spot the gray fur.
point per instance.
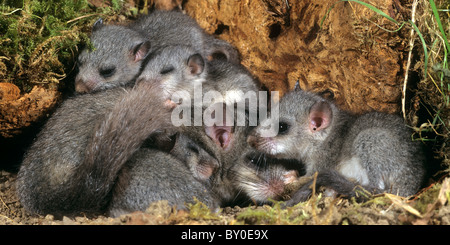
(177, 67)
(153, 175)
(124, 48)
(177, 176)
(223, 76)
(228, 142)
(221, 182)
(201, 164)
(264, 179)
(335, 183)
(373, 149)
(231, 85)
(116, 59)
(73, 163)
(171, 28)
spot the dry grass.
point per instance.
(433, 21)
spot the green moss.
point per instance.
(427, 198)
(200, 211)
(276, 214)
(39, 40)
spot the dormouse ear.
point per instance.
(221, 131)
(218, 55)
(98, 24)
(218, 49)
(141, 50)
(201, 163)
(196, 64)
(327, 94)
(320, 116)
(221, 135)
(206, 167)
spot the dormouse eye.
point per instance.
(253, 159)
(167, 70)
(193, 148)
(107, 72)
(283, 128)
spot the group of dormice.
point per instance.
(113, 147)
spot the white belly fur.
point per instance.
(353, 170)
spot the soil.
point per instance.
(382, 210)
(281, 42)
(348, 56)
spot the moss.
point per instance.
(40, 39)
(200, 211)
(276, 214)
(427, 198)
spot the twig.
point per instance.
(408, 64)
(6, 217)
(1, 199)
(330, 211)
(313, 199)
(81, 17)
(15, 10)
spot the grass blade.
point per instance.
(376, 10)
(424, 45)
(438, 21)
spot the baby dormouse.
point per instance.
(373, 149)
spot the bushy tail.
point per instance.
(132, 120)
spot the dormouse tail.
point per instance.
(137, 115)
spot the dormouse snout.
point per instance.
(84, 86)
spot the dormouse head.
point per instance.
(221, 127)
(230, 78)
(218, 135)
(264, 179)
(115, 58)
(304, 122)
(202, 164)
(234, 86)
(178, 68)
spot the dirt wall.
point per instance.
(282, 42)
